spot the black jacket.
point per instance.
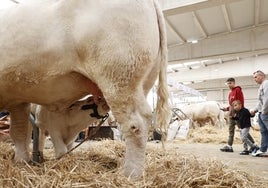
(243, 116)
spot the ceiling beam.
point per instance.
(226, 33)
(226, 18)
(199, 25)
(172, 28)
(257, 12)
(196, 6)
(243, 44)
(227, 69)
(203, 64)
(221, 56)
(14, 1)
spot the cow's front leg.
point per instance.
(134, 122)
(135, 151)
(58, 143)
(20, 131)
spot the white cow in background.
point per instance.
(55, 52)
(209, 111)
(64, 126)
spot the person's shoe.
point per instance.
(265, 154)
(254, 149)
(257, 153)
(227, 149)
(245, 152)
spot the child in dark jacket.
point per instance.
(243, 116)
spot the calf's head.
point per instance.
(95, 111)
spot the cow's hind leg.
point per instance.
(134, 115)
(42, 140)
(20, 131)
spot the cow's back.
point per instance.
(63, 39)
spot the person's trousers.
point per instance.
(232, 131)
(245, 138)
(232, 124)
(263, 123)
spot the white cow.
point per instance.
(64, 126)
(54, 52)
(203, 112)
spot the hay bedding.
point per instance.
(215, 135)
(97, 164)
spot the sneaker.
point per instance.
(257, 153)
(227, 149)
(265, 154)
(254, 149)
(245, 152)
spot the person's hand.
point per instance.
(223, 109)
(252, 112)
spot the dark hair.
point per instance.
(259, 73)
(236, 101)
(230, 80)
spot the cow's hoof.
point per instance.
(135, 173)
(24, 159)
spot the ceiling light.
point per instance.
(194, 41)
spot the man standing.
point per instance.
(262, 108)
(235, 94)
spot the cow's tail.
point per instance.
(163, 110)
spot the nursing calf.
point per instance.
(64, 126)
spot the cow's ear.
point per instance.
(90, 100)
(88, 106)
(72, 106)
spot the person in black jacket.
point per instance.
(243, 116)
